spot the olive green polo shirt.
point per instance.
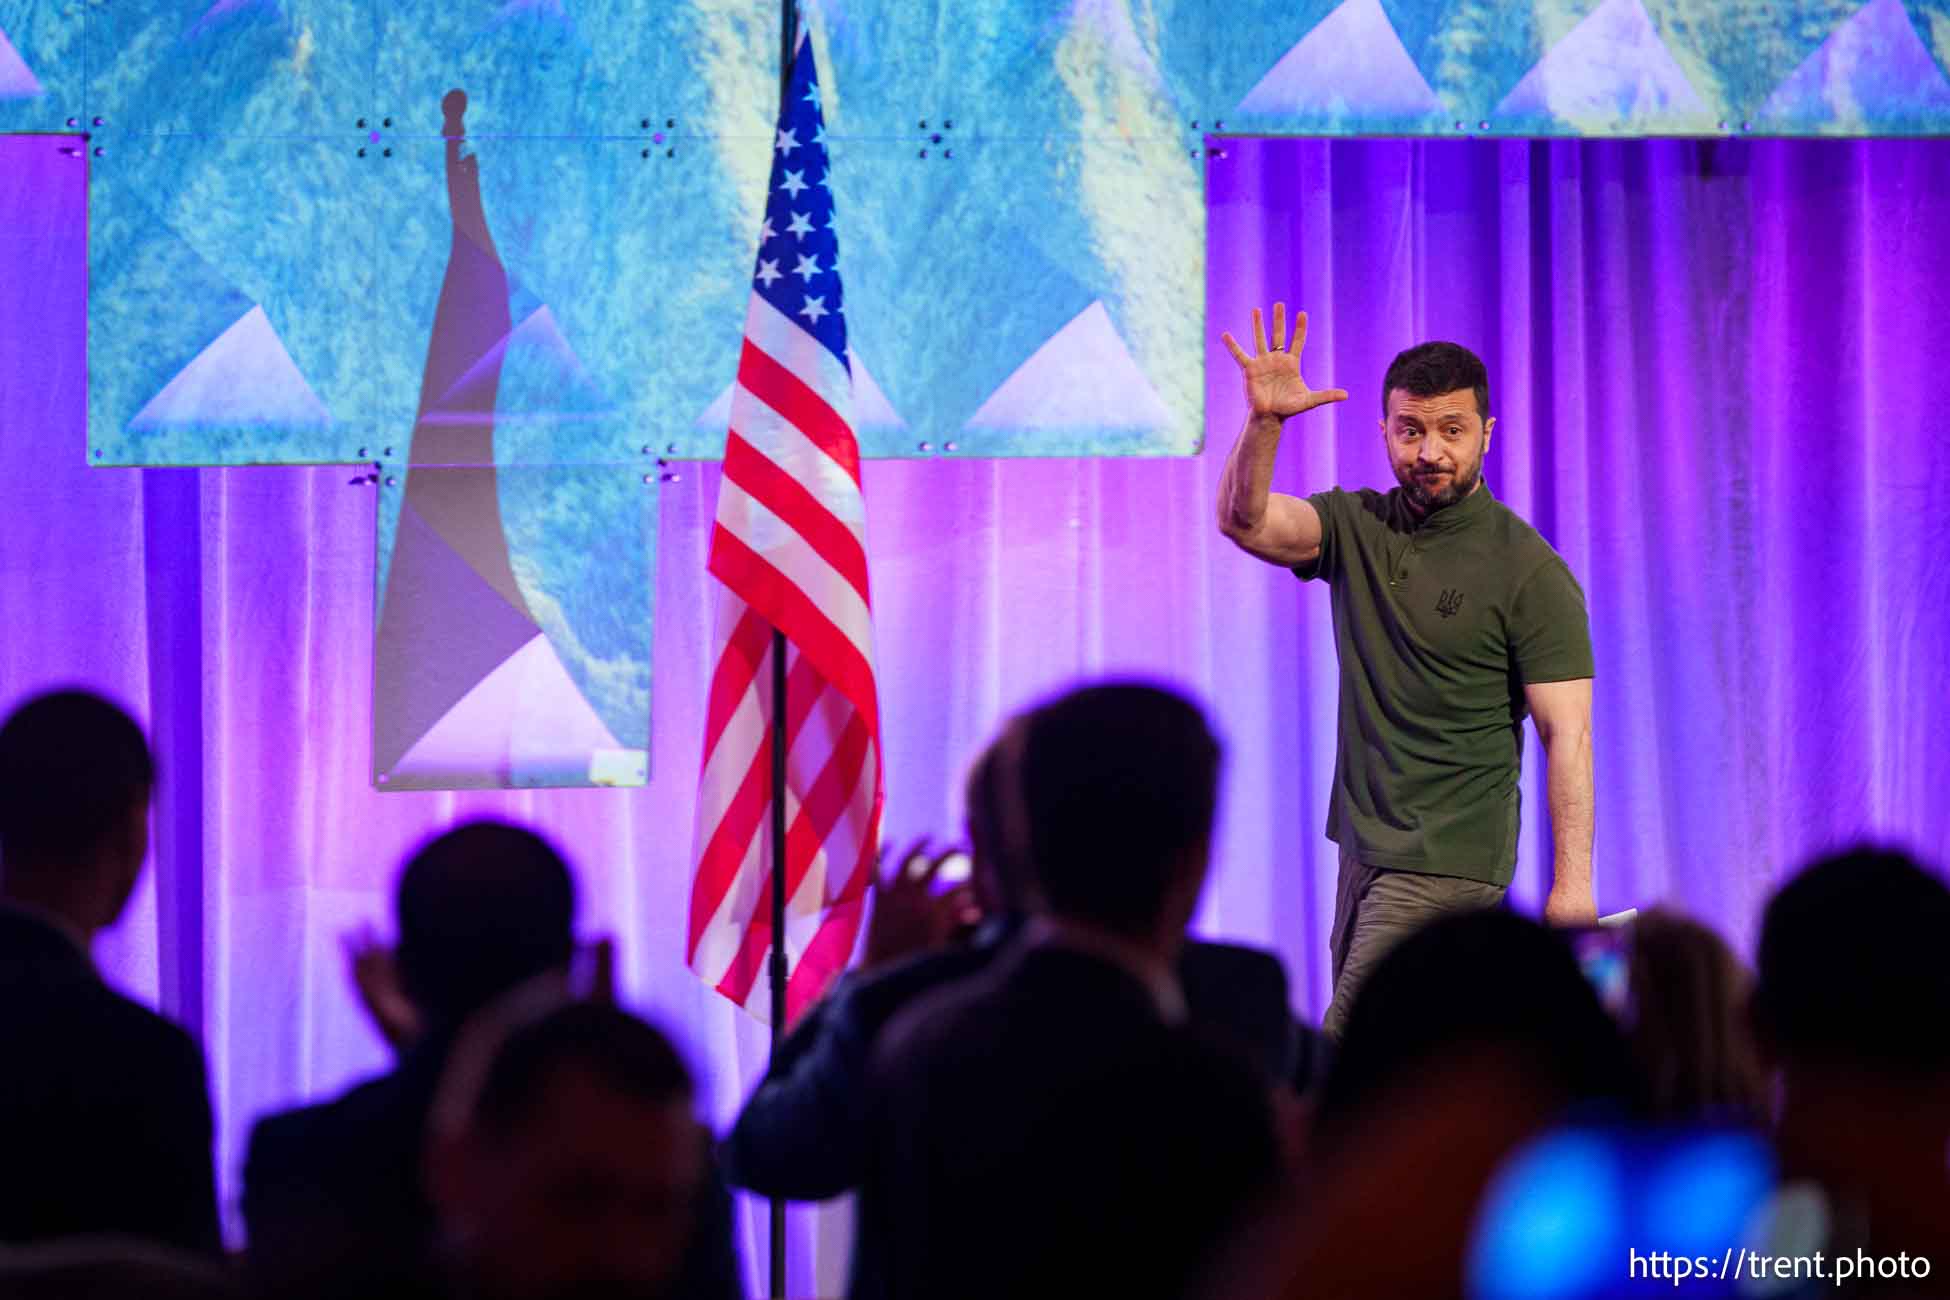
(1439, 625)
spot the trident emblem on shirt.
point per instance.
(1449, 602)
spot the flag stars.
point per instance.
(800, 225)
(787, 142)
(808, 267)
(793, 183)
(765, 232)
(812, 94)
(768, 271)
(814, 308)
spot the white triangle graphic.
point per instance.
(871, 409)
(538, 351)
(244, 377)
(525, 723)
(1611, 74)
(1082, 378)
(1871, 71)
(717, 417)
(17, 80)
(1353, 65)
(555, 383)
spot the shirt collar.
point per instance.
(1460, 515)
(1160, 981)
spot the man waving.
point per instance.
(1453, 619)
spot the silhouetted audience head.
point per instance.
(1472, 1036)
(1852, 968)
(1119, 783)
(995, 819)
(1852, 1003)
(566, 1159)
(75, 780)
(1469, 985)
(1689, 1031)
(482, 908)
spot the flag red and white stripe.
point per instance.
(788, 548)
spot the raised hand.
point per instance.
(376, 980)
(1272, 375)
(909, 917)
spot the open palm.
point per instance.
(1272, 375)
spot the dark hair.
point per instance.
(1119, 781)
(482, 908)
(994, 782)
(1467, 982)
(1852, 965)
(1432, 369)
(628, 1054)
(72, 767)
(1689, 1029)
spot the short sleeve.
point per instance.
(1550, 632)
(1324, 566)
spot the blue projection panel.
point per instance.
(625, 283)
(1022, 230)
(1019, 190)
(513, 644)
(43, 72)
(246, 67)
(582, 67)
(1022, 297)
(1029, 286)
(1309, 67)
(234, 290)
(283, 164)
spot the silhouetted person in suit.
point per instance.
(1472, 985)
(566, 1160)
(1054, 1125)
(801, 1134)
(1472, 1035)
(333, 1195)
(1852, 1004)
(104, 1105)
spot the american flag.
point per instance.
(788, 545)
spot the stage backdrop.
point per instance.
(289, 264)
(1717, 367)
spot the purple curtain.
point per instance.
(1715, 370)
(1712, 363)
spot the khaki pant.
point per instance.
(1375, 908)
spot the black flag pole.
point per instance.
(780, 969)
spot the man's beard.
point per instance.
(1457, 486)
